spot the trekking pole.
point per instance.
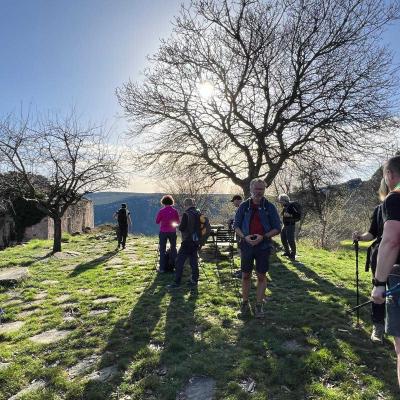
(357, 286)
(394, 290)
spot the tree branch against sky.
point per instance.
(287, 77)
(57, 161)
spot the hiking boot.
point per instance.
(259, 311)
(285, 254)
(245, 307)
(378, 331)
(192, 283)
(174, 285)
(292, 257)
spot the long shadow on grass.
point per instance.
(308, 334)
(129, 340)
(80, 268)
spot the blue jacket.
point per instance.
(268, 215)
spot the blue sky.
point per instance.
(56, 54)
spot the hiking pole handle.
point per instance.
(394, 290)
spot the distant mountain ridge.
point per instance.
(143, 207)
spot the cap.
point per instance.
(236, 197)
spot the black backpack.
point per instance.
(169, 262)
(296, 210)
(122, 216)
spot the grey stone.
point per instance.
(40, 296)
(11, 326)
(32, 304)
(66, 254)
(248, 385)
(104, 374)
(49, 282)
(12, 302)
(35, 385)
(293, 346)
(4, 365)
(97, 312)
(83, 366)
(13, 275)
(50, 336)
(198, 388)
(63, 297)
(106, 300)
(26, 313)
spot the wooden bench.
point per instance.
(223, 237)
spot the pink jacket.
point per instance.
(166, 217)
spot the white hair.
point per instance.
(283, 198)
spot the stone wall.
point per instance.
(76, 219)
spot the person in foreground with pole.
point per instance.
(375, 233)
(388, 254)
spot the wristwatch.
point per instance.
(375, 282)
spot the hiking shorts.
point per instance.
(249, 254)
(392, 322)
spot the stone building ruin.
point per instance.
(76, 219)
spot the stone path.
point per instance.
(104, 374)
(11, 326)
(13, 275)
(50, 336)
(33, 386)
(106, 300)
(198, 388)
(83, 366)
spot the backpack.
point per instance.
(296, 208)
(202, 229)
(122, 216)
(169, 261)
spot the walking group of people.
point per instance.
(257, 221)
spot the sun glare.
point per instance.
(206, 89)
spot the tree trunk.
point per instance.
(57, 235)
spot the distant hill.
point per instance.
(143, 207)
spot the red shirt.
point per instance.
(255, 221)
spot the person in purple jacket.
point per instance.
(168, 219)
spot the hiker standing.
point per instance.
(168, 219)
(236, 201)
(189, 247)
(256, 222)
(123, 216)
(375, 232)
(389, 254)
(291, 213)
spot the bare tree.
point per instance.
(243, 86)
(56, 162)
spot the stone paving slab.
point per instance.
(11, 326)
(4, 365)
(49, 282)
(50, 336)
(106, 300)
(198, 388)
(13, 275)
(103, 375)
(98, 312)
(83, 366)
(12, 302)
(36, 385)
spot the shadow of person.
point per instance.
(130, 336)
(80, 268)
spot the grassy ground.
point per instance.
(305, 348)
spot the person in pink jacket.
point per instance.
(168, 219)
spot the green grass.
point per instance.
(187, 333)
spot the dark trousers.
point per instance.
(122, 233)
(189, 250)
(288, 239)
(163, 238)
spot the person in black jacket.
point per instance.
(375, 233)
(189, 248)
(290, 214)
(123, 217)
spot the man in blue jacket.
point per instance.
(256, 222)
